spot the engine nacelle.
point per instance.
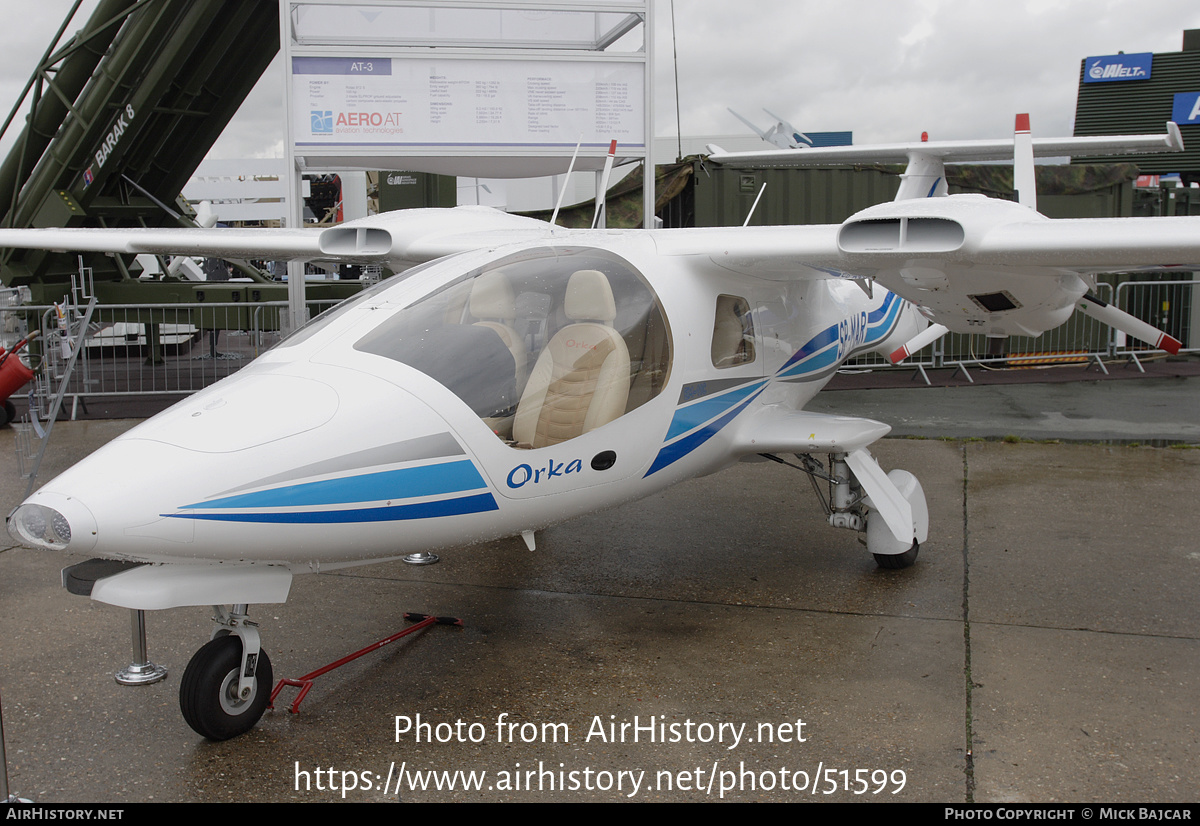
(931, 247)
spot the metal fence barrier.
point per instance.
(176, 349)
(141, 349)
(1168, 305)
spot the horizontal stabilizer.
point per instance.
(970, 151)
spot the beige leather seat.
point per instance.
(581, 379)
(493, 304)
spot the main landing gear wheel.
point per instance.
(897, 561)
(208, 692)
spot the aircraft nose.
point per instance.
(54, 521)
(244, 471)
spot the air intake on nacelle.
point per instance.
(901, 235)
(364, 241)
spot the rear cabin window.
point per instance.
(733, 332)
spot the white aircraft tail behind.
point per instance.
(782, 134)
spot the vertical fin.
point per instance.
(925, 177)
(794, 137)
(1024, 181)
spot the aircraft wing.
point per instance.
(974, 264)
(397, 238)
(1042, 247)
(1028, 253)
(1094, 244)
(778, 253)
(281, 244)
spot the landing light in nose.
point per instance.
(54, 521)
(40, 526)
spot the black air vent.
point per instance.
(996, 302)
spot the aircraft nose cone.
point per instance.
(245, 471)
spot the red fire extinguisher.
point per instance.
(13, 376)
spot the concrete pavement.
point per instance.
(1044, 648)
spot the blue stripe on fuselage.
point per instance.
(696, 414)
(677, 450)
(822, 339)
(403, 483)
(479, 503)
(882, 321)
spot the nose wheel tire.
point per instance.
(897, 561)
(208, 692)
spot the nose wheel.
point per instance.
(895, 562)
(215, 701)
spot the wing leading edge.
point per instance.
(398, 238)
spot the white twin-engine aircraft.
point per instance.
(518, 374)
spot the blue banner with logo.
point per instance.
(1114, 67)
(1185, 110)
(830, 138)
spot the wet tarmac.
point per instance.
(1045, 647)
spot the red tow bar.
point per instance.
(305, 683)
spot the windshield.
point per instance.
(543, 346)
(321, 321)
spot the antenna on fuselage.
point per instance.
(563, 191)
(754, 206)
(601, 195)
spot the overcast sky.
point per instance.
(887, 70)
